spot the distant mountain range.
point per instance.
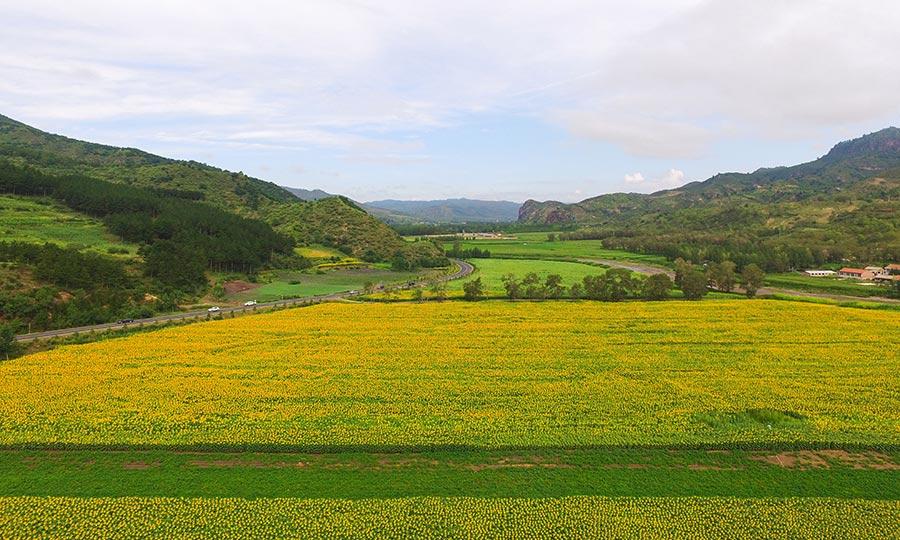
(437, 211)
(845, 204)
(444, 211)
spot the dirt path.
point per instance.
(641, 268)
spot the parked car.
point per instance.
(214, 309)
(249, 303)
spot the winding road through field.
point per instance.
(463, 270)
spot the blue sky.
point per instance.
(496, 100)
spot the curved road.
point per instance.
(464, 269)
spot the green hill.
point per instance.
(842, 206)
(334, 221)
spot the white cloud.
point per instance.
(659, 79)
(767, 69)
(670, 179)
(635, 178)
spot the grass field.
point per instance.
(318, 252)
(800, 282)
(290, 284)
(491, 272)
(723, 418)
(536, 246)
(37, 220)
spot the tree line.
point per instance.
(617, 284)
(181, 237)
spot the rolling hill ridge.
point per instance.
(844, 205)
(335, 221)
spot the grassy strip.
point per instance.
(839, 303)
(571, 517)
(832, 285)
(482, 473)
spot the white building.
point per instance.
(819, 273)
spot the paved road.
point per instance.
(464, 270)
(649, 269)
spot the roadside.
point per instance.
(461, 269)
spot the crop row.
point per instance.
(425, 518)
(484, 374)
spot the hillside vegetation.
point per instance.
(41, 219)
(351, 228)
(845, 205)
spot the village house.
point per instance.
(893, 269)
(819, 273)
(856, 273)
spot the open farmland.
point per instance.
(38, 220)
(427, 518)
(293, 283)
(834, 285)
(489, 374)
(536, 246)
(731, 418)
(491, 272)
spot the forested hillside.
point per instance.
(843, 206)
(167, 227)
(352, 229)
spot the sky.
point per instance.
(420, 99)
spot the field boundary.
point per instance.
(400, 449)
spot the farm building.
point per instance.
(819, 273)
(856, 273)
(892, 268)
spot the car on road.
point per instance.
(124, 321)
(249, 303)
(214, 309)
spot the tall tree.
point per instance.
(693, 285)
(657, 287)
(553, 286)
(473, 290)
(512, 286)
(752, 277)
(8, 344)
(682, 267)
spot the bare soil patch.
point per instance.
(824, 459)
(140, 465)
(238, 286)
(235, 463)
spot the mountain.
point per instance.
(308, 194)
(845, 204)
(445, 210)
(337, 221)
